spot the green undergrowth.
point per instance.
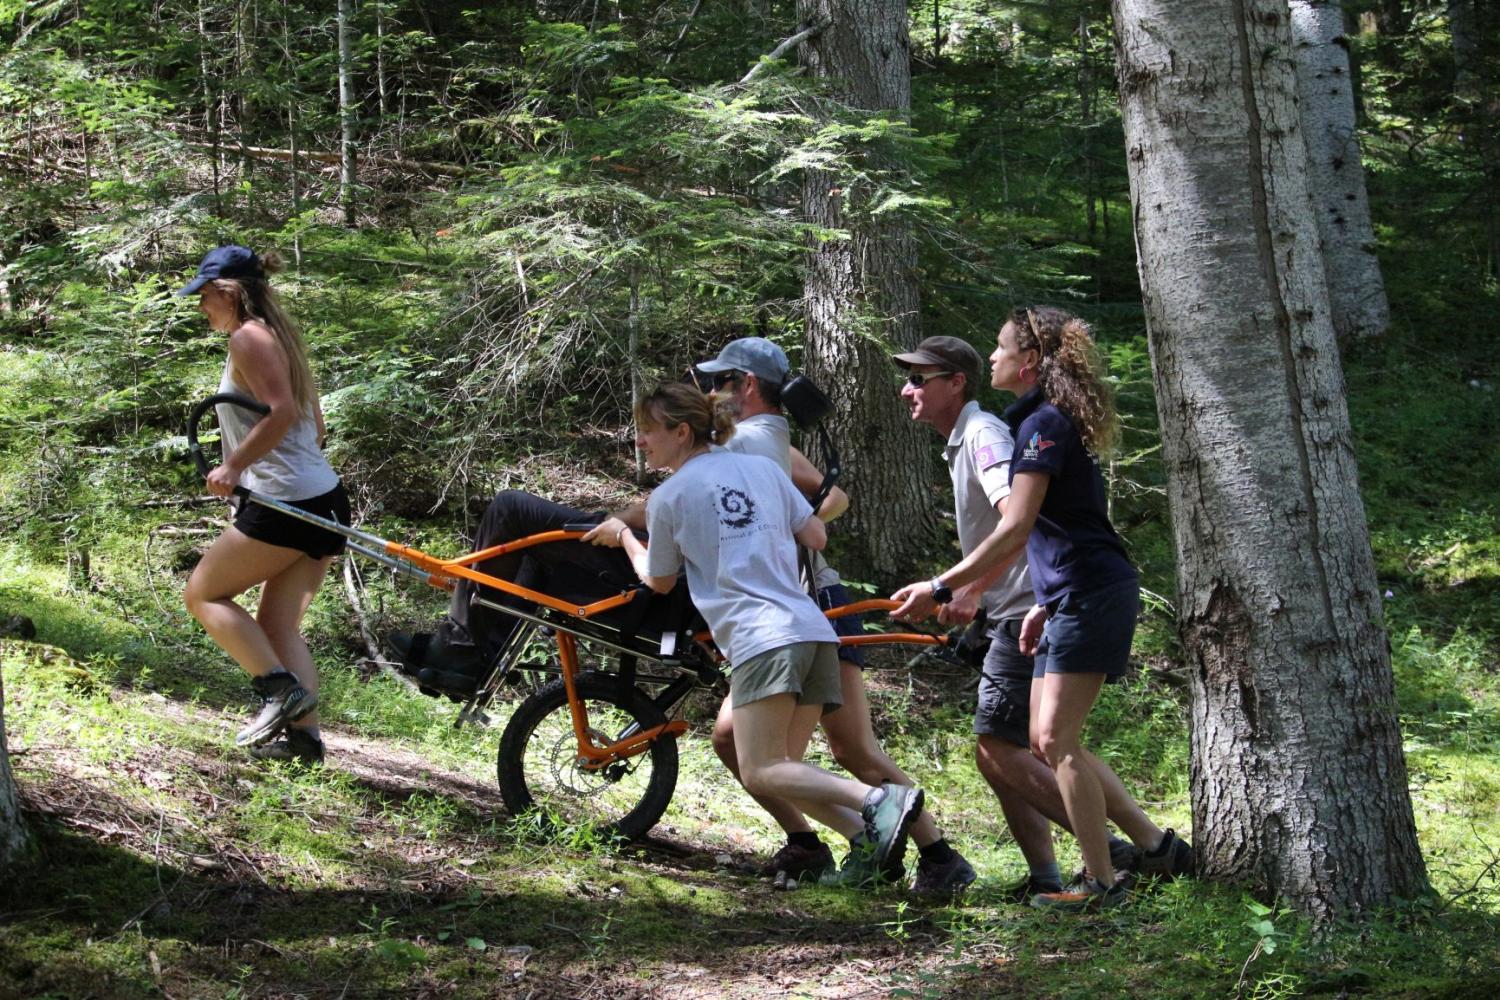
(168, 864)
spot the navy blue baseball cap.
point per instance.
(232, 261)
(755, 355)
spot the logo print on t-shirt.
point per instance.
(736, 509)
(1036, 446)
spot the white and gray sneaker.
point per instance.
(282, 700)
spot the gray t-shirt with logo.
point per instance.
(730, 519)
(978, 453)
(770, 436)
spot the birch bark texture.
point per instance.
(347, 149)
(1335, 172)
(14, 840)
(860, 302)
(1298, 781)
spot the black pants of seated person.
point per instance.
(573, 571)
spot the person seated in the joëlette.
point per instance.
(451, 659)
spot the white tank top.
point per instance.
(293, 470)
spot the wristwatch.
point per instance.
(941, 592)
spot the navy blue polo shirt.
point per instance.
(1072, 545)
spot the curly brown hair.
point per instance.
(1071, 372)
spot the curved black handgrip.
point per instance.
(195, 450)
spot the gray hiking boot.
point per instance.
(860, 870)
(875, 854)
(283, 700)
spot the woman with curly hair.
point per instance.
(1087, 592)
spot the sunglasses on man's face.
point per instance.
(723, 379)
(918, 379)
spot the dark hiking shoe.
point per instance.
(1082, 898)
(282, 700)
(450, 683)
(946, 878)
(1173, 858)
(419, 650)
(295, 747)
(1124, 858)
(1022, 891)
(793, 863)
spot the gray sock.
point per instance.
(1047, 874)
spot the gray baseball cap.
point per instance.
(755, 355)
(949, 353)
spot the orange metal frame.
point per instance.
(591, 757)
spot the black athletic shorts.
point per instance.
(265, 524)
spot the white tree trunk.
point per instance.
(1336, 176)
(347, 150)
(1298, 781)
(860, 299)
(14, 841)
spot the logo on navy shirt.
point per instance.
(1036, 446)
(736, 509)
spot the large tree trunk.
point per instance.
(860, 297)
(14, 842)
(1298, 781)
(1336, 178)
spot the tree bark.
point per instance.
(860, 302)
(1336, 178)
(1298, 780)
(14, 840)
(347, 150)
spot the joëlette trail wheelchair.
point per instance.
(591, 745)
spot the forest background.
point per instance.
(499, 221)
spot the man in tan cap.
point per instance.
(943, 376)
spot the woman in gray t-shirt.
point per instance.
(732, 522)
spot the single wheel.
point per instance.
(538, 760)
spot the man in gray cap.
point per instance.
(749, 373)
(943, 375)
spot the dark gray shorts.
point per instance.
(1090, 631)
(1004, 708)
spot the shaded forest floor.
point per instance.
(171, 865)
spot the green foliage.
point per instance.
(602, 209)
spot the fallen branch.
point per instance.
(811, 31)
(393, 162)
